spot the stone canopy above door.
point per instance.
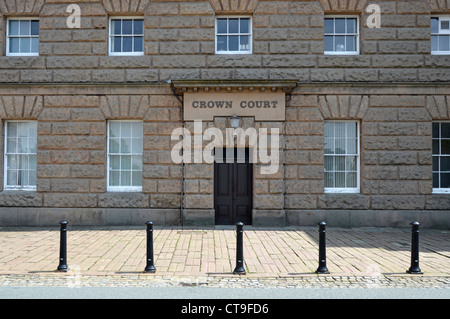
(263, 100)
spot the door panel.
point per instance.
(233, 192)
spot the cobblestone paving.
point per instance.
(286, 257)
(320, 281)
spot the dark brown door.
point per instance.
(233, 184)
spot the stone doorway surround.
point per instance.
(198, 179)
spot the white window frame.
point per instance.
(110, 36)
(250, 35)
(19, 36)
(5, 160)
(350, 190)
(446, 18)
(120, 188)
(440, 190)
(357, 52)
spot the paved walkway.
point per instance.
(207, 256)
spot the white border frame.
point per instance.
(250, 34)
(358, 29)
(353, 190)
(8, 36)
(438, 190)
(122, 189)
(445, 17)
(7, 187)
(110, 53)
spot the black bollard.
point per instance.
(63, 247)
(150, 266)
(322, 269)
(240, 270)
(414, 269)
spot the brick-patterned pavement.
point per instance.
(281, 252)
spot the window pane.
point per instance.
(329, 25)
(114, 178)
(435, 163)
(127, 26)
(233, 25)
(136, 129)
(24, 28)
(117, 26)
(125, 145)
(222, 25)
(434, 25)
(127, 44)
(125, 162)
(125, 178)
(435, 180)
(329, 146)
(339, 163)
(222, 43)
(339, 25)
(11, 178)
(350, 163)
(35, 45)
(444, 43)
(328, 165)
(445, 147)
(445, 164)
(125, 129)
(136, 178)
(339, 180)
(329, 43)
(434, 43)
(339, 43)
(351, 179)
(14, 45)
(114, 144)
(138, 27)
(117, 44)
(136, 163)
(25, 45)
(114, 129)
(234, 43)
(351, 26)
(138, 44)
(245, 25)
(34, 27)
(350, 42)
(13, 27)
(436, 147)
(114, 162)
(244, 43)
(329, 179)
(136, 146)
(445, 25)
(436, 128)
(445, 130)
(445, 180)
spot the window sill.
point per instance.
(124, 189)
(342, 191)
(440, 191)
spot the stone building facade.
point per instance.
(394, 88)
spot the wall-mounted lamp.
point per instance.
(234, 122)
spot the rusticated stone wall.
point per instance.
(179, 42)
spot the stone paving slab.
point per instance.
(207, 255)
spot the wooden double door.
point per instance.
(233, 188)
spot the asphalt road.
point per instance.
(189, 293)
